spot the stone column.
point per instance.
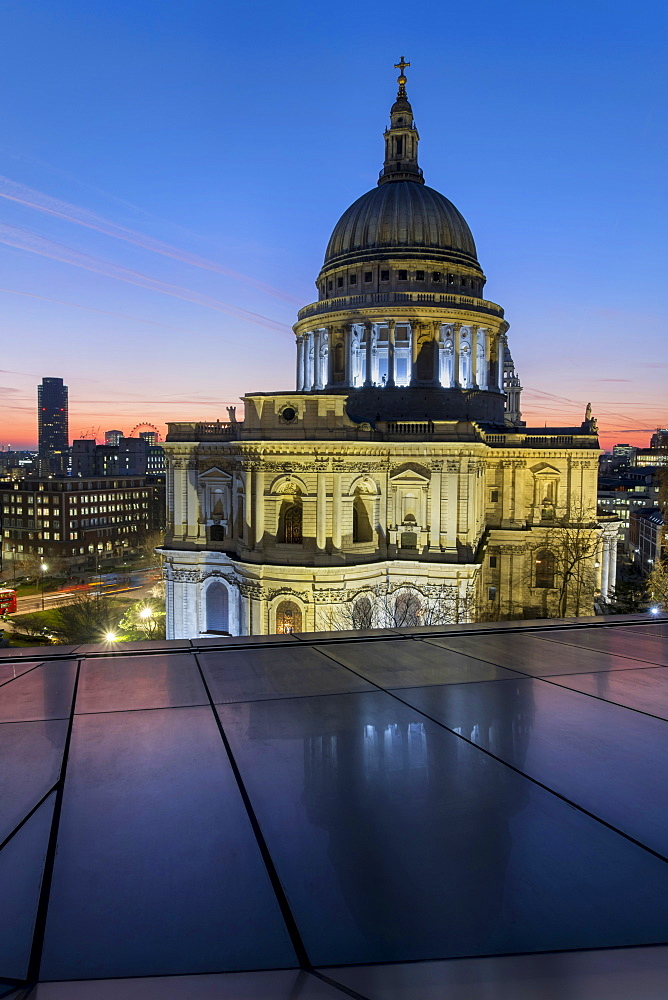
(369, 353)
(415, 345)
(391, 323)
(248, 517)
(474, 357)
(258, 478)
(321, 511)
(317, 371)
(451, 509)
(435, 512)
(300, 363)
(308, 380)
(456, 347)
(484, 381)
(436, 371)
(330, 356)
(504, 564)
(612, 581)
(499, 363)
(348, 351)
(605, 575)
(336, 510)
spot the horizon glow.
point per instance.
(164, 209)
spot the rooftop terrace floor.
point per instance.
(454, 812)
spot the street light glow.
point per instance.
(44, 567)
(110, 636)
(146, 613)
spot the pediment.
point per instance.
(214, 475)
(545, 470)
(410, 476)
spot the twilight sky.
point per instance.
(170, 173)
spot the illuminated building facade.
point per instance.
(72, 520)
(52, 422)
(400, 465)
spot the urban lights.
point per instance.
(43, 567)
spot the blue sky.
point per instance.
(236, 134)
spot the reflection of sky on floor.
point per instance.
(264, 807)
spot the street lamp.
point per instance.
(14, 565)
(43, 568)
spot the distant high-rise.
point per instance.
(52, 419)
(113, 437)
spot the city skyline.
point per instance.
(168, 220)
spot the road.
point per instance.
(141, 584)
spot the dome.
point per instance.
(397, 218)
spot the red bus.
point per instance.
(7, 602)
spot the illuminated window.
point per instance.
(292, 524)
(288, 618)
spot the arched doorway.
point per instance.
(288, 617)
(217, 607)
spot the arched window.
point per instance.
(362, 530)
(362, 616)
(217, 533)
(288, 618)
(292, 524)
(544, 569)
(407, 609)
(217, 607)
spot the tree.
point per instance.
(564, 563)
(629, 596)
(148, 542)
(89, 618)
(404, 605)
(143, 620)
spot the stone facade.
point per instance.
(400, 463)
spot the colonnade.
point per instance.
(608, 565)
(392, 352)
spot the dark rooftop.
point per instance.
(446, 812)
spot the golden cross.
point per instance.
(401, 65)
